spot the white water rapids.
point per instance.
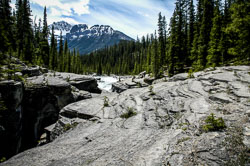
(105, 82)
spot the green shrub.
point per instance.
(2, 106)
(69, 126)
(213, 124)
(3, 159)
(105, 101)
(151, 90)
(190, 74)
(130, 112)
(183, 140)
(139, 84)
(68, 79)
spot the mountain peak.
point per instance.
(86, 39)
(79, 28)
(61, 26)
(102, 29)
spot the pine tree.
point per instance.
(172, 54)
(195, 44)
(19, 26)
(37, 39)
(78, 61)
(60, 55)
(44, 42)
(224, 44)
(28, 46)
(4, 40)
(204, 36)
(99, 69)
(148, 59)
(177, 51)
(191, 33)
(65, 56)
(155, 58)
(162, 44)
(68, 64)
(53, 51)
(239, 31)
(214, 54)
(7, 25)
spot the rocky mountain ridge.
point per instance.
(87, 39)
(159, 125)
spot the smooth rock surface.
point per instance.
(162, 128)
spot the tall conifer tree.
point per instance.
(214, 54)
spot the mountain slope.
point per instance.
(86, 39)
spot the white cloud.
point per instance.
(69, 20)
(79, 7)
(133, 17)
(55, 12)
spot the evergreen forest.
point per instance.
(208, 34)
(215, 33)
(33, 43)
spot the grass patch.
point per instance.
(129, 113)
(183, 140)
(235, 148)
(190, 73)
(69, 126)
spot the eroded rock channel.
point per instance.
(35, 104)
(159, 125)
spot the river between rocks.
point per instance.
(105, 82)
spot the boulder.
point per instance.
(149, 80)
(130, 83)
(81, 82)
(179, 77)
(140, 83)
(81, 95)
(142, 74)
(44, 70)
(31, 71)
(224, 77)
(119, 87)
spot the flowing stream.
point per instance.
(105, 82)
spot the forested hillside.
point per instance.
(216, 33)
(22, 37)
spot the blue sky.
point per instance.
(133, 17)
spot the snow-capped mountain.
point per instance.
(86, 39)
(61, 26)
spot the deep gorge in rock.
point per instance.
(35, 104)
